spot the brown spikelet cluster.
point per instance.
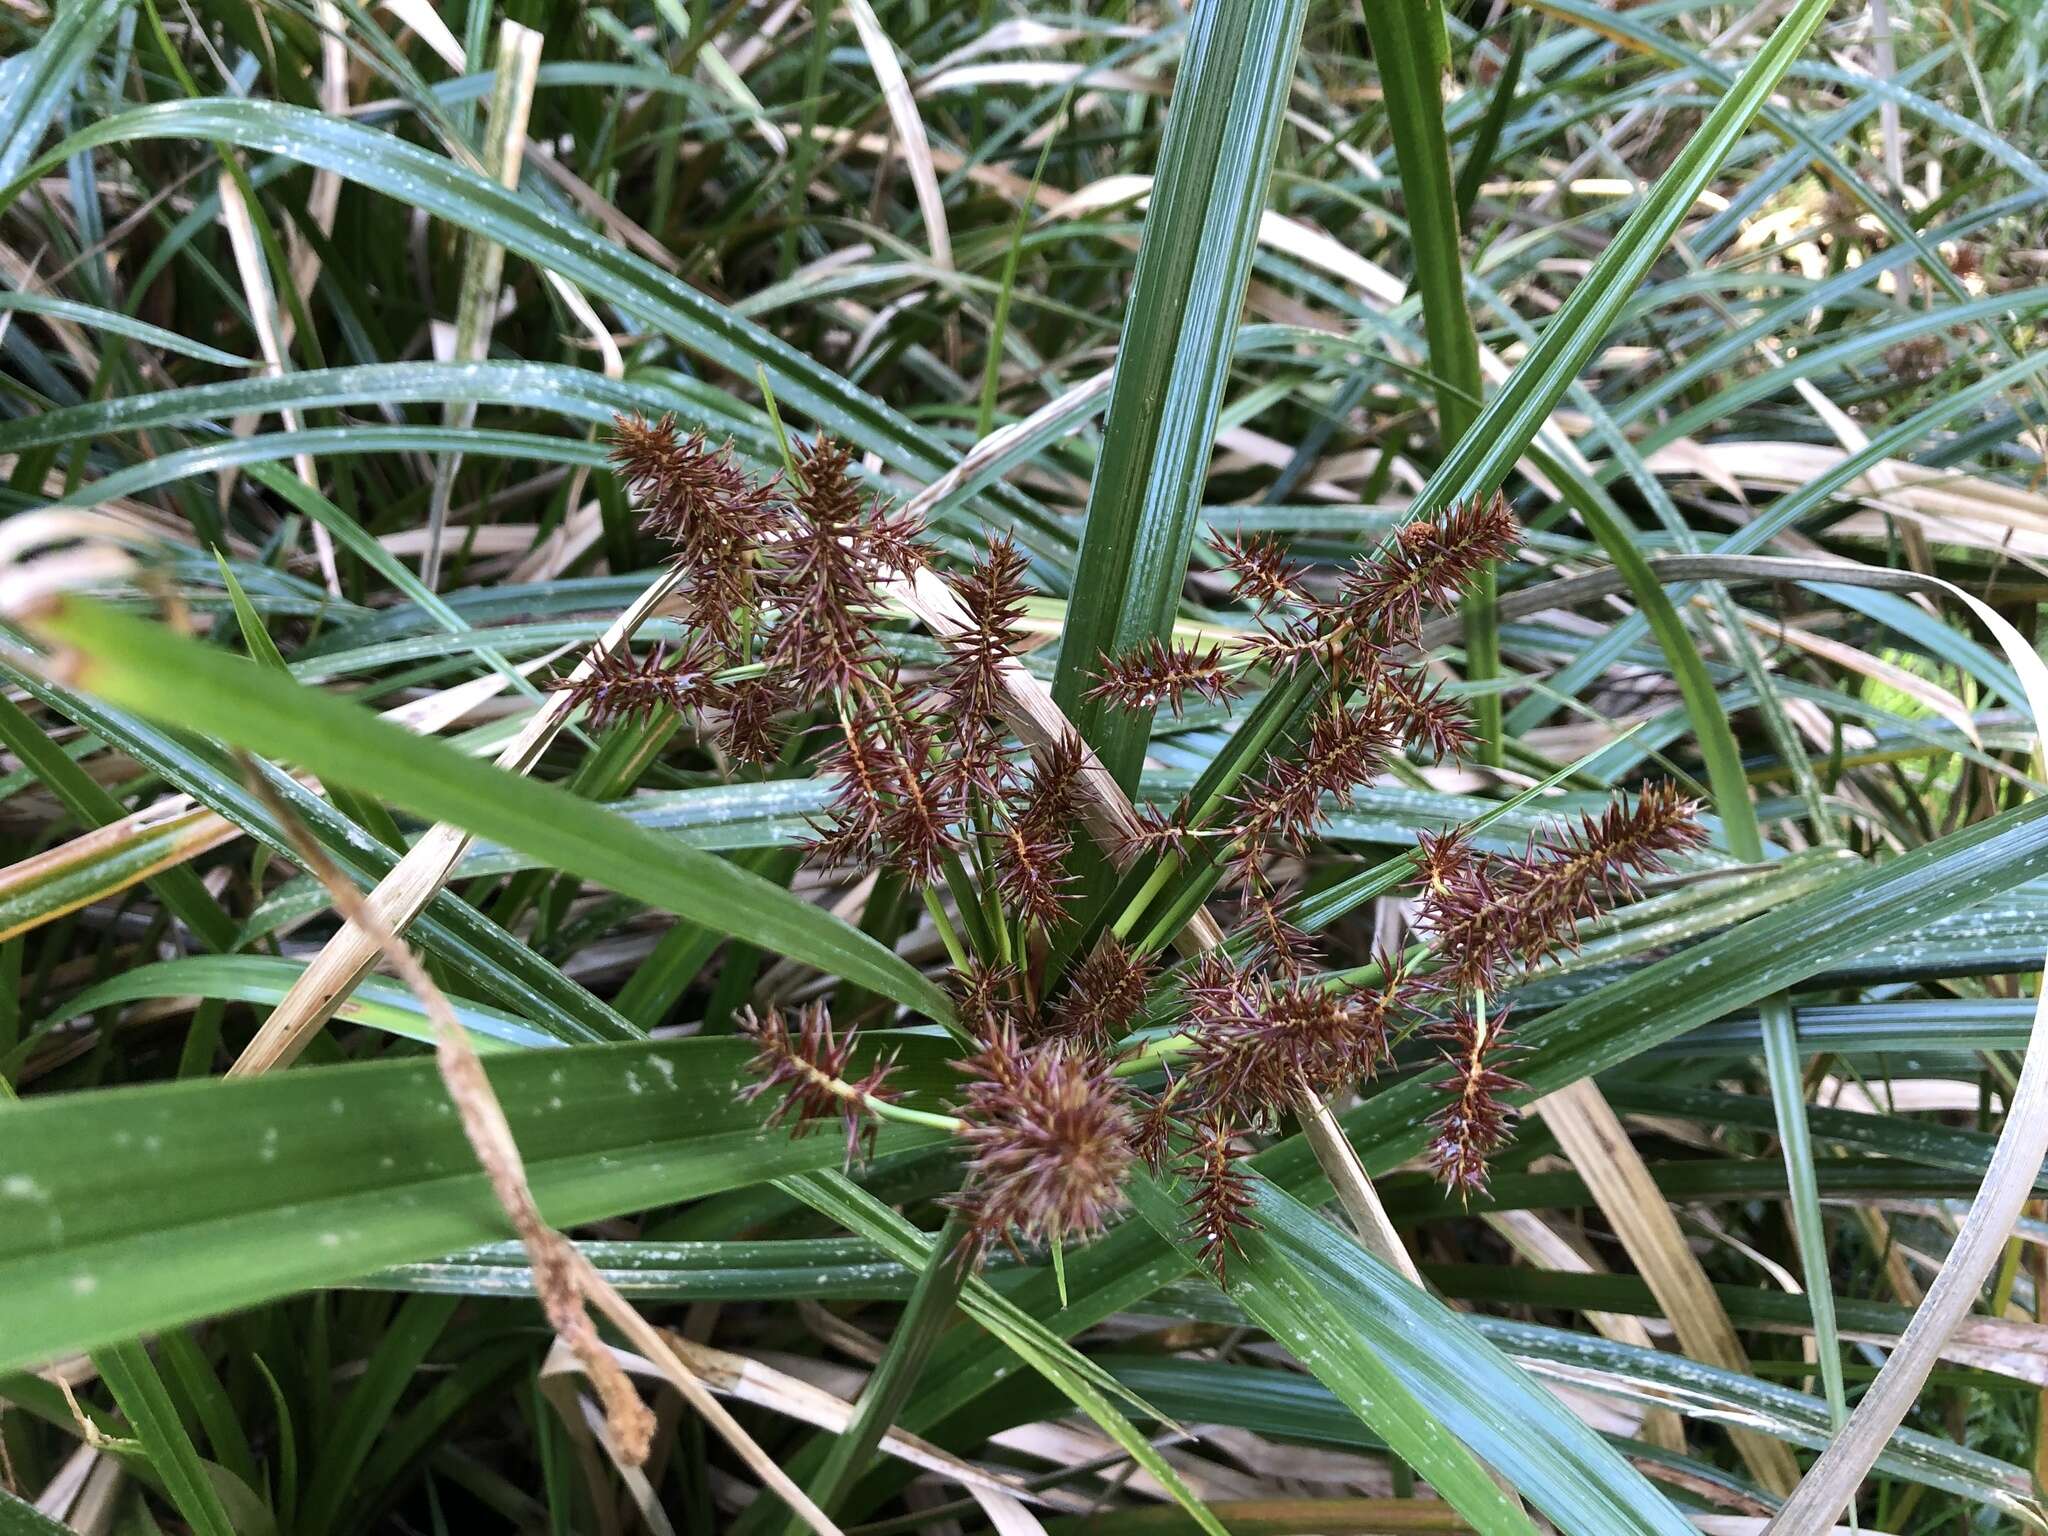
(809, 1063)
(1426, 565)
(1261, 1038)
(619, 686)
(784, 584)
(1161, 674)
(1105, 993)
(1260, 575)
(1487, 916)
(1221, 1205)
(1050, 1140)
(782, 572)
(1161, 831)
(824, 574)
(1473, 1124)
(704, 505)
(993, 593)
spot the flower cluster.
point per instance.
(1488, 915)
(779, 585)
(783, 589)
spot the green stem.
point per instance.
(888, 1389)
(945, 926)
(1152, 887)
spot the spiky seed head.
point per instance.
(1158, 674)
(1104, 994)
(809, 1063)
(1475, 1120)
(1049, 1134)
(1426, 565)
(1220, 1197)
(619, 685)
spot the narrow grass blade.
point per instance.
(1194, 261)
(140, 666)
(132, 1377)
(241, 1191)
(1409, 46)
(34, 91)
(1291, 1307)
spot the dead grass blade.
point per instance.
(401, 895)
(910, 133)
(483, 267)
(234, 213)
(1593, 1138)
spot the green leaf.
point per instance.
(483, 955)
(90, 803)
(1084, 1383)
(1345, 1348)
(1409, 46)
(1729, 782)
(18, 1517)
(1179, 330)
(34, 85)
(141, 666)
(927, 1314)
(128, 1210)
(381, 1002)
(1500, 102)
(364, 812)
(117, 324)
(1482, 458)
(508, 217)
(131, 1376)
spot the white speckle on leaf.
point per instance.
(84, 1285)
(19, 1186)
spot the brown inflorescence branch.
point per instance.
(809, 1063)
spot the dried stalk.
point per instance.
(404, 893)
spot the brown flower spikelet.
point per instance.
(1161, 674)
(1486, 914)
(747, 722)
(970, 679)
(1582, 869)
(1257, 563)
(1105, 992)
(809, 1064)
(1473, 1125)
(1160, 830)
(1220, 1204)
(825, 575)
(620, 686)
(700, 501)
(1030, 870)
(1050, 1138)
(1426, 565)
(1260, 1042)
(1346, 745)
